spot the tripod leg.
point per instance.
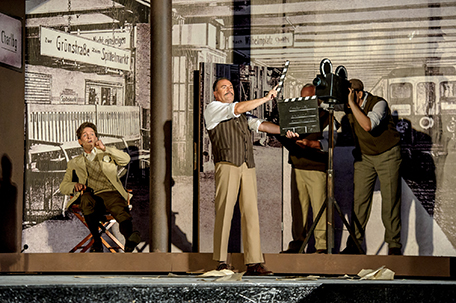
(312, 228)
(349, 228)
(358, 224)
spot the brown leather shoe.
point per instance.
(257, 270)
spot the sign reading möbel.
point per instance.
(59, 44)
(10, 41)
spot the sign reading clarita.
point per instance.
(75, 48)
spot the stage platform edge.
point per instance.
(283, 264)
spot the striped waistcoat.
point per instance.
(232, 142)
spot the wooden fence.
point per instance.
(58, 123)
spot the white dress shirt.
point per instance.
(217, 112)
(377, 113)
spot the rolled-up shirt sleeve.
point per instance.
(254, 122)
(217, 112)
(377, 113)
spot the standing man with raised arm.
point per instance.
(229, 127)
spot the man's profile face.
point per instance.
(224, 91)
(88, 139)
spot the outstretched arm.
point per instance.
(303, 143)
(245, 106)
(269, 127)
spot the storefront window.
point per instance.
(92, 96)
(101, 93)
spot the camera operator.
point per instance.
(377, 154)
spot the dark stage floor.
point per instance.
(193, 288)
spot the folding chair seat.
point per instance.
(104, 229)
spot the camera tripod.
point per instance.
(330, 202)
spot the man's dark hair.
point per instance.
(357, 85)
(83, 126)
(214, 87)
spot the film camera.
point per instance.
(332, 88)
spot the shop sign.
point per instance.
(68, 96)
(117, 38)
(61, 45)
(261, 41)
(10, 41)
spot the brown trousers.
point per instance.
(111, 201)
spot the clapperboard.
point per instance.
(282, 77)
(299, 115)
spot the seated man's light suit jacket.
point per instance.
(109, 161)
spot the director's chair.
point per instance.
(104, 228)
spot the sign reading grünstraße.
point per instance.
(62, 45)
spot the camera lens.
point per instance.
(317, 82)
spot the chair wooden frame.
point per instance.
(85, 244)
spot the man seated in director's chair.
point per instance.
(91, 179)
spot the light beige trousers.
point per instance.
(231, 181)
(308, 188)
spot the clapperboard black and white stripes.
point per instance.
(282, 77)
(299, 115)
